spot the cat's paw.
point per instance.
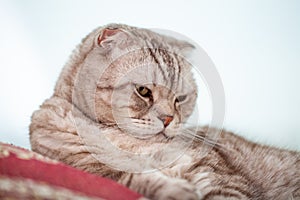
(178, 190)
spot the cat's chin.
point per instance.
(158, 137)
(153, 136)
(143, 137)
(138, 135)
(170, 133)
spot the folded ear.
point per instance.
(183, 48)
(111, 36)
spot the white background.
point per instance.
(255, 46)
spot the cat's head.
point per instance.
(144, 83)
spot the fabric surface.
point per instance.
(28, 175)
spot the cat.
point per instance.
(118, 111)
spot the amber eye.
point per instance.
(180, 98)
(143, 91)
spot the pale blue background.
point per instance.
(255, 46)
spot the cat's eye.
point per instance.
(180, 98)
(143, 91)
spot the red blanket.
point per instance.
(28, 175)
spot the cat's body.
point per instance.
(93, 95)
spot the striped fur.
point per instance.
(96, 93)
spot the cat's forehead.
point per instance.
(157, 76)
(140, 68)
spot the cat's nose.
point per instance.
(166, 119)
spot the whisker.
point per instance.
(200, 138)
(189, 134)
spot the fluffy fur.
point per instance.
(101, 119)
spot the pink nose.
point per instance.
(166, 119)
